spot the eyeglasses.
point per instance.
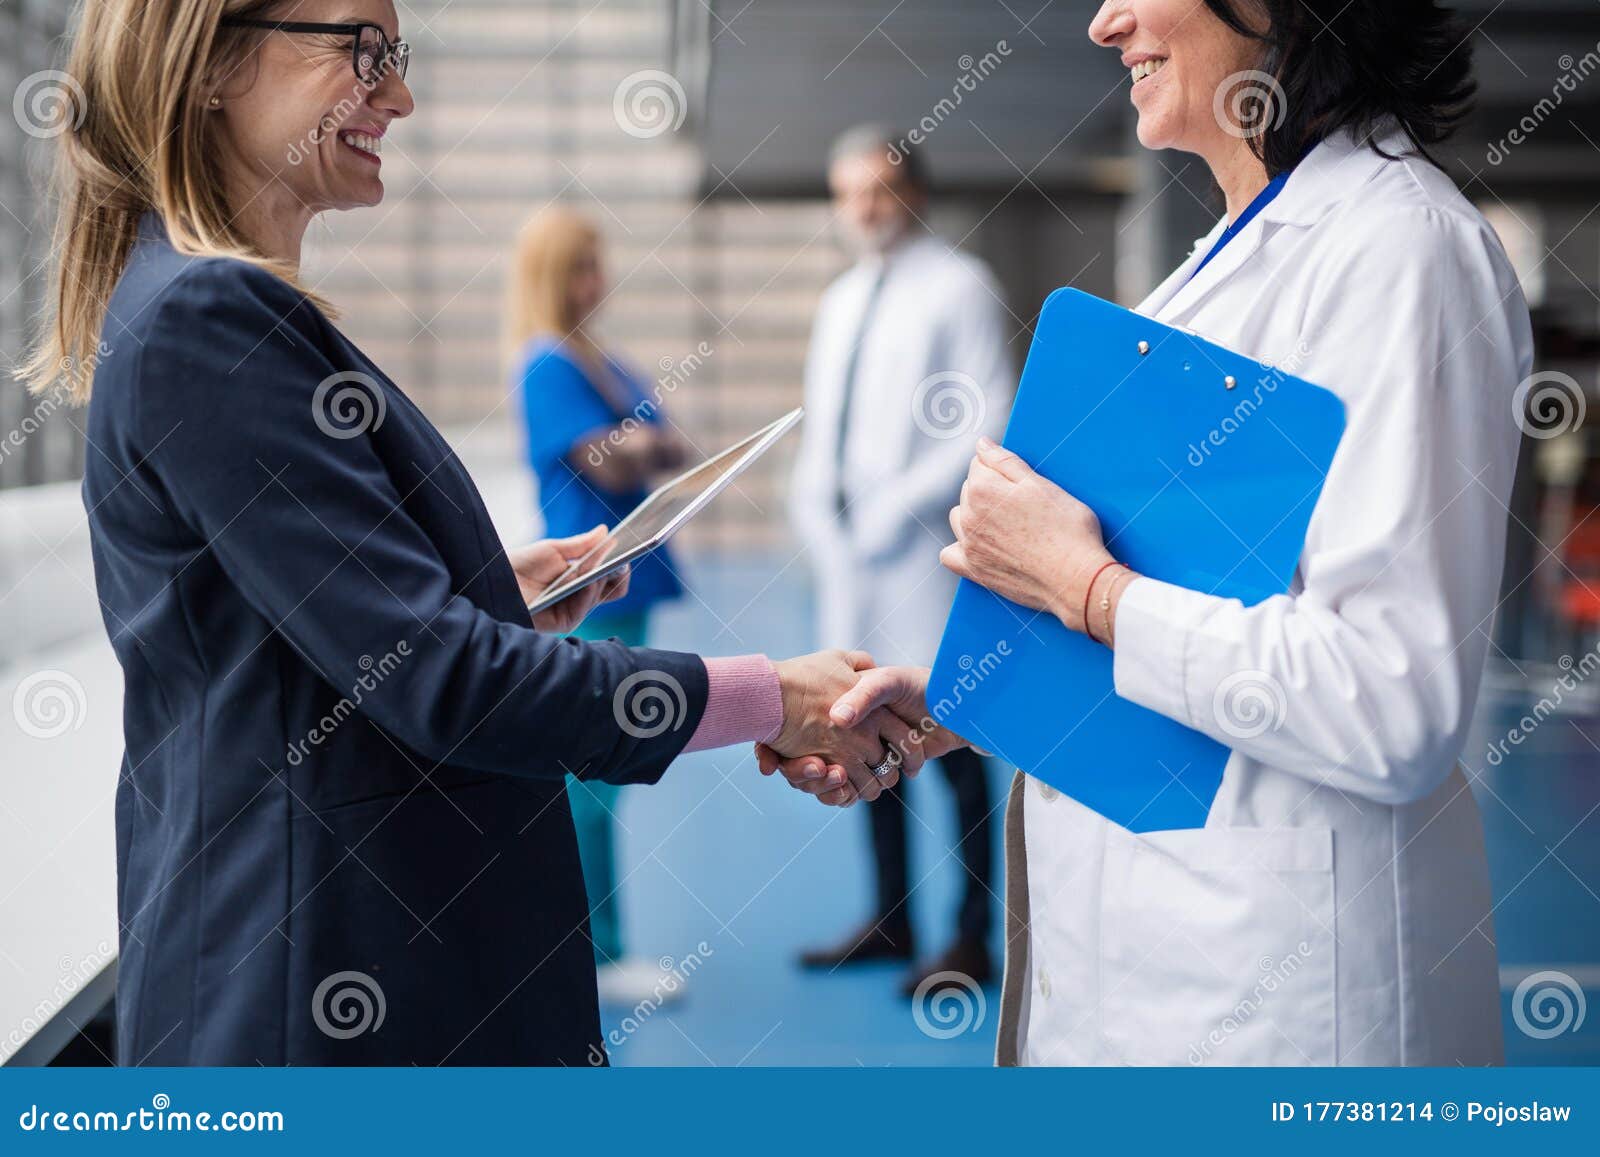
(371, 51)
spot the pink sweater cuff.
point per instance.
(744, 703)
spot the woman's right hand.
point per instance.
(811, 686)
(901, 691)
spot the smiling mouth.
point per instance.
(367, 145)
(1147, 68)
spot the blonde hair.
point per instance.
(138, 82)
(538, 291)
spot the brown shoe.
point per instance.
(965, 958)
(885, 938)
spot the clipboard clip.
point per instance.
(1228, 382)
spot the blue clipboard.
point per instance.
(1196, 482)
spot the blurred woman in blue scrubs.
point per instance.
(596, 437)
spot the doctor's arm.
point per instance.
(627, 457)
(565, 417)
(1365, 679)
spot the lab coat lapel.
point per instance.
(1192, 290)
(1175, 281)
(1330, 174)
(842, 353)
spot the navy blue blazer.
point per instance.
(342, 830)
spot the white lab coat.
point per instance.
(935, 372)
(1335, 909)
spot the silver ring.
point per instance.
(892, 759)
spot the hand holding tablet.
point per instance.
(659, 516)
(538, 564)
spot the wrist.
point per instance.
(1073, 599)
(1121, 578)
(786, 672)
(743, 703)
(808, 685)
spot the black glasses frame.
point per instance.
(394, 53)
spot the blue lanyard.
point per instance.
(1262, 200)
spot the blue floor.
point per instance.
(1541, 816)
(728, 875)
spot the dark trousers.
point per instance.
(964, 769)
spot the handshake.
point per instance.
(851, 730)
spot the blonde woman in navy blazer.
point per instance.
(342, 834)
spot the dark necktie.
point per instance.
(846, 395)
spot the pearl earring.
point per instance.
(216, 102)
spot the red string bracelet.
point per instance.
(1089, 590)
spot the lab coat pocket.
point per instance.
(1217, 947)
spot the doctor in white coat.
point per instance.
(1335, 908)
(909, 364)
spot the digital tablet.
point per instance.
(659, 516)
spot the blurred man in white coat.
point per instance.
(909, 363)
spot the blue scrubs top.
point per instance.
(560, 404)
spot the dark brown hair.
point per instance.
(1357, 65)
